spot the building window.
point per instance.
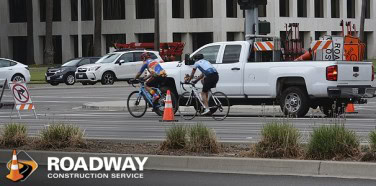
(284, 8)
(56, 10)
(231, 8)
(87, 45)
(262, 10)
(201, 39)
(145, 38)
(201, 8)
(368, 9)
(111, 39)
(319, 8)
(17, 11)
(351, 8)
(19, 47)
(114, 9)
(302, 8)
(178, 9)
(86, 10)
(335, 8)
(56, 42)
(145, 9)
(231, 36)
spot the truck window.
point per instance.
(232, 54)
(210, 53)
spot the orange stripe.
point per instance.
(31, 107)
(270, 44)
(261, 46)
(22, 107)
(327, 44)
(318, 43)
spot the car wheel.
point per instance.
(294, 102)
(18, 78)
(108, 78)
(70, 80)
(54, 83)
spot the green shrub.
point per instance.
(332, 142)
(14, 135)
(372, 140)
(202, 139)
(61, 136)
(176, 138)
(279, 140)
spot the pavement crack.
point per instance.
(318, 171)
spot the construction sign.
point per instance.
(22, 98)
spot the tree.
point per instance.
(30, 29)
(49, 48)
(98, 28)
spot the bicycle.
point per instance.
(139, 101)
(190, 104)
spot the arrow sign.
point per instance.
(20, 93)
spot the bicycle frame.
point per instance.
(196, 93)
(144, 92)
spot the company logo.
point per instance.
(92, 167)
(21, 166)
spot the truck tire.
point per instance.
(294, 102)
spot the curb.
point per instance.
(229, 165)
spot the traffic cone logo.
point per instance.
(14, 174)
(350, 108)
(168, 113)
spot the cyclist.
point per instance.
(157, 75)
(210, 75)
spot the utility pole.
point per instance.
(156, 26)
(362, 20)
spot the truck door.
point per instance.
(230, 71)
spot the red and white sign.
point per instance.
(21, 96)
(263, 46)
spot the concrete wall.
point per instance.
(219, 25)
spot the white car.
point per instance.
(115, 66)
(14, 71)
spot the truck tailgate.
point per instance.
(354, 71)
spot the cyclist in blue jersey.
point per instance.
(210, 75)
(157, 75)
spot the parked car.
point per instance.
(14, 71)
(65, 73)
(115, 66)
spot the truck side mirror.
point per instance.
(188, 60)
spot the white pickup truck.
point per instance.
(295, 86)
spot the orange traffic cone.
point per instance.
(304, 57)
(14, 174)
(168, 113)
(350, 109)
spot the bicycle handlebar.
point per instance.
(187, 83)
(136, 81)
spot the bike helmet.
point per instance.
(198, 57)
(145, 56)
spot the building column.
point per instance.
(343, 8)
(187, 9)
(311, 8)
(38, 45)
(187, 39)
(130, 14)
(219, 16)
(4, 20)
(165, 16)
(67, 51)
(327, 9)
(293, 8)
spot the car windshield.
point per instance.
(71, 63)
(109, 58)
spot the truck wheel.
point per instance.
(108, 78)
(69, 79)
(294, 102)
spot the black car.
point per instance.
(65, 73)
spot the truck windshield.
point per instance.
(71, 63)
(109, 58)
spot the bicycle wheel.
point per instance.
(136, 104)
(188, 104)
(219, 106)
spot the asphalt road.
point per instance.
(64, 104)
(166, 178)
